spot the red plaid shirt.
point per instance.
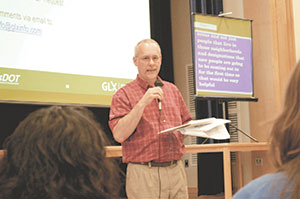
(145, 144)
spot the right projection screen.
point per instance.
(222, 56)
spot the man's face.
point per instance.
(148, 61)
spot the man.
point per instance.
(154, 167)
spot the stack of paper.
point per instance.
(208, 128)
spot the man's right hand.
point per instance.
(151, 94)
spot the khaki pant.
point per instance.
(144, 182)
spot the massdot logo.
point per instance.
(9, 79)
(111, 86)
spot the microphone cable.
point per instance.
(158, 168)
(158, 83)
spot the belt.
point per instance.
(156, 164)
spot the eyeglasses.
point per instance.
(147, 59)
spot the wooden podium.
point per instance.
(225, 148)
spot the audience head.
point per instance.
(58, 153)
(285, 134)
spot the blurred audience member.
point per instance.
(58, 153)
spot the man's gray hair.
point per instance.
(145, 41)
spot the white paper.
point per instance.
(208, 128)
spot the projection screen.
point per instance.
(68, 51)
(222, 56)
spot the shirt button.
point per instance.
(164, 120)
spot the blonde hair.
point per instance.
(285, 136)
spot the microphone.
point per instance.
(159, 84)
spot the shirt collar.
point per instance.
(144, 84)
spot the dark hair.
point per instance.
(285, 136)
(58, 153)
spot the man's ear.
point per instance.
(134, 60)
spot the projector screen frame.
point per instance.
(220, 97)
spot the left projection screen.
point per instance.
(68, 51)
